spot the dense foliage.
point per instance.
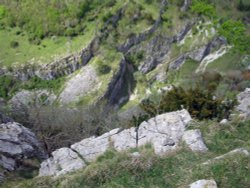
(201, 104)
(202, 7)
(234, 31)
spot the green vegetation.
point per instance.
(202, 7)
(60, 18)
(234, 31)
(200, 103)
(10, 85)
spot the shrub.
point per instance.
(203, 8)
(201, 104)
(103, 69)
(234, 31)
(2, 11)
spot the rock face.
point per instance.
(121, 84)
(17, 143)
(194, 140)
(79, 85)
(203, 184)
(23, 99)
(244, 102)
(164, 133)
(62, 161)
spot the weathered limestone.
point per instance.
(164, 132)
(244, 103)
(194, 140)
(62, 161)
(17, 143)
(203, 184)
(24, 99)
(79, 85)
(233, 152)
(92, 147)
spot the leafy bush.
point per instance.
(2, 11)
(8, 86)
(201, 104)
(201, 7)
(103, 68)
(234, 31)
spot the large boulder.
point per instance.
(164, 132)
(16, 144)
(62, 161)
(244, 102)
(203, 184)
(194, 140)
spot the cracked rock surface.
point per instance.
(164, 132)
(17, 143)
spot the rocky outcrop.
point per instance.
(24, 99)
(244, 103)
(121, 85)
(62, 161)
(203, 184)
(156, 51)
(58, 68)
(204, 55)
(176, 64)
(17, 143)
(79, 85)
(242, 151)
(186, 5)
(137, 39)
(194, 140)
(164, 133)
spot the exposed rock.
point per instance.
(175, 65)
(16, 144)
(244, 102)
(186, 5)
(7, 163)
(92, 147)
(194, 140)
(25, 98)
(214, 45)
(121, 85)
(62, 161)
(156, 51)
(137, 39)
(79, 85)
(198, 54)
(180, 36)
(212, 57)
(233, 152)
(135, 154)
(164, 132)
(203, 184)
(224, 121)
(169, 126)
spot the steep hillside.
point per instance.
(74, 69)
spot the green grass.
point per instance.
(49, 49)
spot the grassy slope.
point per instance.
(174, 170)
